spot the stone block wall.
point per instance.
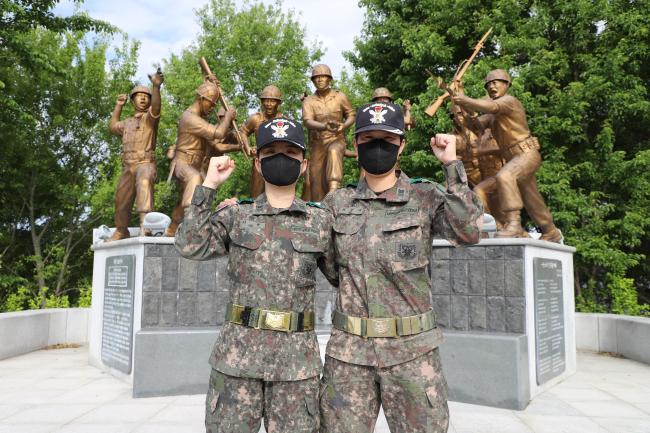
(177, 292)
(479, 288)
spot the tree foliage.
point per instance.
(582, 70)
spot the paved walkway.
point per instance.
(57, 391)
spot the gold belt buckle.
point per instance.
(381, 328)
(275, 320)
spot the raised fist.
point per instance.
(121, 100)
(158, 78)
(220, 169)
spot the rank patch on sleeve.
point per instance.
(407, 250)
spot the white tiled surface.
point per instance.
(56, 391)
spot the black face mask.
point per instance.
(377, 156)
(280, 169)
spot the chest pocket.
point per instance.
(403, 240)
(306, 251)
(346, 227)
(250, 240)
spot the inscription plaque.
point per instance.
(117, 329)
(549, 319)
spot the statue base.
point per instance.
(506, 307)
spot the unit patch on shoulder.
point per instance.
(245, 201)
(315, 204)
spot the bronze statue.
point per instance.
(195, 135)
(326, 114)
(480, 156)
(382, 94)
(138, 156)
(219, 147)
(515, 182)
(270, 99)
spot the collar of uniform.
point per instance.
(331, 94)
(139, 114)
(263, 207)
(398, 193)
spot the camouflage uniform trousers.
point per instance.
(238, 404)
(413, 395)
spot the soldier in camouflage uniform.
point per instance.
(383, 348)
(266, 361)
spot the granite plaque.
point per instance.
(117, 328)
(549, 319)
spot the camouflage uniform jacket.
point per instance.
(272, 259)
(383, 246)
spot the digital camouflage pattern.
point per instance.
(272, 259)
(413, 394)
(383, 246)
(236, 404)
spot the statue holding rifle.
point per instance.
(515, 182)
(195, 136)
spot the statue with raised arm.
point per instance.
(138, 154)
(195, 135)
(515, 182)
(326, 114)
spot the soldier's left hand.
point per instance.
(158, 78)
(444, 147)
(220, 168)
(333, 126)
(226, 202)
(406, 105)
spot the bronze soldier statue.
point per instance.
(195, 135)
(382, 94)
(138, 156)
(481, 158)
(220, 147)
(270, 99)
(327, 114)
(516, 183)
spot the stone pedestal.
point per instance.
(507, 306)
(163, 316)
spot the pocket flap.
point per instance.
(248, 240)
(400, 224)
(312, 406)
(347, 225)
(307, 245)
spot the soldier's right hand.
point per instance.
(231, 114)
(121, 100)
(220, 169)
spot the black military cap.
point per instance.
(381, 116)
(280, 129)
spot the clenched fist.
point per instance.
(220, 168)
(444, 147)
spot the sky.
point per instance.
(167, 26)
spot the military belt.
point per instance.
(522, 146)
(138, 155)
(190, 157)
(391, 327)
(260, 318)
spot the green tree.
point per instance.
(582, 70)
(58, 145)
